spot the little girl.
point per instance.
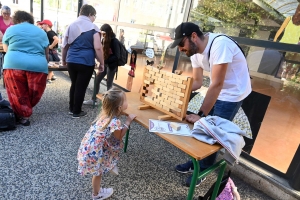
(99, 151)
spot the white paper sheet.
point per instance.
(164, 127)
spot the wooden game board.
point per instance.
(165, 91)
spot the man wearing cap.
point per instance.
(53, 41)
(230, 80)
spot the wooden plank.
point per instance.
(182, 86)
(155, 69)
(144, 107)
(186, 98)
(178, 101)
(165, 117)
(149, 67)
(147, 75)
(147, 82)
(175, 126)
(170, 74)
(170, 86)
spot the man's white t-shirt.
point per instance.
(237, 85)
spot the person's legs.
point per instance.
(110, 77)
(50, 74)
(18, 94)
(72, 69)
(36, 86)
(83, 78)
(96, 184)
(224, 109)
(98, 192)
(99, 78)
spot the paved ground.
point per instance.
(39, 161)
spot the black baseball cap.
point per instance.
(184, 29)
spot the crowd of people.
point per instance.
(83, 44)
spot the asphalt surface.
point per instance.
(39, 161)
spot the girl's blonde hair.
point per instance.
(112, 101)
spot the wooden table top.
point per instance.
(189, 145)
(60, 68)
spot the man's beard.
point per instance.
(193, 49)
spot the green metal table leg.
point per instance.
(200, 175)
(94, 90)
(220, 176)
(126, 140)
(194, 179)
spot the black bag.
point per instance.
(7, 117)
(123, 54)
(53, 56)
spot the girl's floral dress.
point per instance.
(99, 150)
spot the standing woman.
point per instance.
(111, 50)
(25, 77)
(5, 20)
(81, 45)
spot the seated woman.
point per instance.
(25, 80)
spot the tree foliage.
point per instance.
(230, 13)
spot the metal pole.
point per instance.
(185, 19)
(80, 3)
(42, 10)
(31, 7)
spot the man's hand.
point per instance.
(192, 118)
(64, 63)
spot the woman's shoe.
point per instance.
(24, 122)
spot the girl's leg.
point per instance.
(96, 183)
(110, 77)
(99, 78)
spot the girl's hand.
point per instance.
(129, 119)
(101, 68)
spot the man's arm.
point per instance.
(64, 54)
(197, 78)
(99, 51)
(217, 77)
(55, 42)
(5, 47)
(47, 54)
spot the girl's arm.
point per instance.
(119, 134)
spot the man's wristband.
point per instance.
(201, 113)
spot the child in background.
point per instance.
(131, 73)
(99, 151)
